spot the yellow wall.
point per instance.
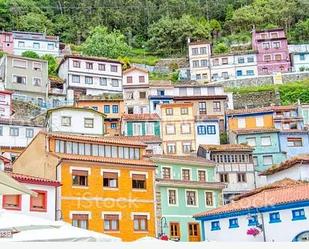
(109, 200)
(251, 122)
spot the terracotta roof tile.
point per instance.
(142, 117)
(200, 97)
(99, 159)
(34, 180)
(135, 68)
(226, 147)
(249, 111)
(257, 130)
(186, 159)
(267, 197)
(148, 139)
(287, 164)
(195, 184)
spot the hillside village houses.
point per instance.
(299, 57)
(5, 103)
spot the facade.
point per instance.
(222, 67)
(199, 59)
(207, 131)
(177, 128)
(294, 142)
(107, 184)
(5, 104)
(6, 42)
(184, 186)
(5, 164)
(90, 75)
(295, 168)
(272, 51)
(39, 43)
(75, 120)
(299, 57)
(245, 64)
(57, 92)
(304, 112)
(288, 118)
(194, 88)
(43, 205)
(260, 214)
(266, 144)
(136, 90)
(112, 108)
(234, 167)
(27, 77)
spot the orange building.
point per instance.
(112, 108)
(107, 184)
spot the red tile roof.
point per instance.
(256, 130)
(184, 159)
(92, 58)
(226, 147)
(148, 139)
(34, 180)
(142, 117)
(282, 194)
(249, 111)
(4, 159)
(135, 68)
(200, 97)
(187, 184)
(300, 159)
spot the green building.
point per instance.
(185, 186)
(141, 124)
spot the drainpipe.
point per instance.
(56, 193)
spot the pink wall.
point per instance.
(6, 42)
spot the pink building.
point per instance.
(6, 42)
(5, 104)
(272, 48)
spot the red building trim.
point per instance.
(11, 208)
(32, 209)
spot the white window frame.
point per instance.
(196, 198)
(139, 125)
(213, 198)
(251, 138)
(176, 194)
(269, 141)
(241, 122)
(259, 121)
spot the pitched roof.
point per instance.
(160, 83)
(191, 159)
(34, 180)
(188, 184)
(4, 159)
(148, 139)
(117, 140)
(99, 159)
(76, 109)
(178, 104)
(281, 194)
(19, 122)
(226, 147)
(200, 97)
(300, 159)
(141, 117)
(135, 68)
(249, 111)
(92, 58)
(255, 131)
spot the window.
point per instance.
(301, 57)
(267, 160)
(209, 198)
(265, 70)
(29, 133)
(265, 45)
(233, 223)
(274, 35)
(185, 174)
(149, 128)
(215, 225)
(224, 177)
(75, 79)
(217, 106)
(198, 76)
(204, 63)
(267, 57)
(161, 92)
(191, 198)
(115, 83)
(166, 173)
(76, 64)
(276, 44)
(216, 62)
(250, 59)
(186, 147)
(37, 81)
(274, 217)
(106, 109)
(130, 110)
(195, 64)
(172, 198)
(225, 61)
(80, 220)
(202, 107)
(12, 202)
(241, 60)
(141, 79)
(255, 161)
(110, 179)
(225, 75)
(140, 223)
(65, 121)
(114, 68)
(251, 141)
(174, 230)
(50, 46)
(37, 66)
(21, 44)
(89, 65)
(101, 67)
(239, 72)
(185, 129)
(211, 129)
(129, 95)
(259, 121)
(194, 51)
(111, 222)
(298, 214)
(115, 108)
(170, 129)
(203, 50)
(197, 91)
(80, 178)
(36, 45)
(278, 57)
(201, 175)
(14, 131)
(39, 203)
(103, 81)
(265, 141)
(138, 181)
(241, 177)
(142, 95)
(241, 123)
(137, 129)
(184, 111)
(88, 80)
(113, 125)
(88, 122)
(19, 79)
(171, 148)
(295, 142)
(201, 130)
(253, 220)
(129, 79)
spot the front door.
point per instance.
(194, 232)
(174, 231)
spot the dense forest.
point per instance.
(160, 26)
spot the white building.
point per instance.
(76, 120)
(43, 205)
(5, 104)
(274, 213)
(222, 67)
(39, 43)
(296, 168)
(207, 131)
(193, 88)
(299, 57)
(90, 75)
(245, 65)
(136, 90)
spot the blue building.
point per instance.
(294, 142)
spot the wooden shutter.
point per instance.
(38, 202)
(139, 177)
(80, 216)
(11, 201)
(80, 172)
(110, 175)
(111, 217)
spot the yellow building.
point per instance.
(177, 128)
(107, 184)
(250, 118)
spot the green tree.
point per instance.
(301, 31)
(221, 48)
(30, 54)
(101, 42)
(35, 22)
(52, 64)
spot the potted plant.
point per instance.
(253, 231)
